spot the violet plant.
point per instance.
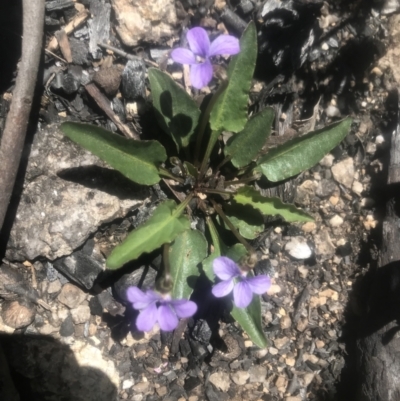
(211, 181)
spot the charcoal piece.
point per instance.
(77, 103)
(80, 268)
(344, 250)
(264, 266)
(118, 108)
(191, 383)
(143, 277)
(81, 33)
(79, 51)
(233, 20)
(51, 22)
(202, 332)
(95, 306)
(67, 327)
(69, 83)
(199, 350)
(110, 304)
(184, 347)
(133, 79)
(56, 5)
(99, 26)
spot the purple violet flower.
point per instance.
(155, 307)
(244, 287)
(201, 70)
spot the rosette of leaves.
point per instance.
(213, 180)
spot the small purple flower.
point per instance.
(227, 270)
(155, 307)
(201, 50)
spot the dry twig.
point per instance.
(13, 139)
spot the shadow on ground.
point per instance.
(43, 369)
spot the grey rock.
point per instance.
(326, 188)
(220, 380)
(81, 314)
(240, 377)
(343, 172)
(55, 216)
(257, 374)
(298, 248)
(149, 20)
(71, 296)
(108, 303)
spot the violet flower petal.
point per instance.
(167, 318)
(201, 74)
(199, 42)
(140, 299)
(147, 318)
(242, 294)
(225, 268)
(184, 308)
(224, 44)
(259, 284)
(223, 288)
(183, 56)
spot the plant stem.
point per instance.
(183, 205)
(166, 173)
(226, 160)
(210, 146)
(235, 232)
(204, 120)
(216, 191)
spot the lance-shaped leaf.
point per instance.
(244, 147)
(176, 111)
(250, 320)
(249, 221)
(166, 223)
(188, 250)
(230, 110)
(270, 206)
(136, 160)
(300, 154)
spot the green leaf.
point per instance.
(244, 147)
(191, 170)
(177, 112)
(230, 110)
(249, 221)
(300, 154)
(136, 160)
(236, 252)
(270, 206)
(185, 254)
(166, 223)
(250, 320)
